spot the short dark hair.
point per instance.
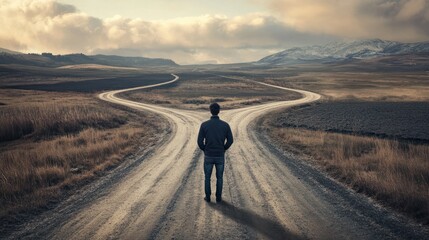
(214, 108)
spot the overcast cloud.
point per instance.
(399, 20)
(48, 26)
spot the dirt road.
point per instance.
(267, 195)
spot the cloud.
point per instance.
(46, 25)
(402, 20)
(49, 26)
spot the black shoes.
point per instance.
(218, 199)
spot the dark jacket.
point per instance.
(212, 136)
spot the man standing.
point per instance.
(211, 139)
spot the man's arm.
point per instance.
(201, 136)
(229, 138)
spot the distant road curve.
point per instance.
(267, 195)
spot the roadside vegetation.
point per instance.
(50, 143)
(395, 173)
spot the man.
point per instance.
(211, 139)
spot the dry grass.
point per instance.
(197, 92)
(59, 142)
(360, 85)
(47, 167)
(395, 173)
(51, 119)
(95, 66)
(198, 102)
(394, 94)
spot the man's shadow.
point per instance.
(265, 226)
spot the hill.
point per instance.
(4, 50)
(340, 51)
(50, 60)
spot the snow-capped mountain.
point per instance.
(338, 51)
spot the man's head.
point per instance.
(214, 109)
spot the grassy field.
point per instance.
(394, 172)
(51, 142)
(196, 91)
(72, 137)
(366, 86)
(19, 75)
(370, 80)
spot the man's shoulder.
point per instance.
(205, 122)
(224, 123)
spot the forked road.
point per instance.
(267, 195)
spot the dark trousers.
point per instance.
(219, 163)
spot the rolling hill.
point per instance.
(340, 51)
(50, 60)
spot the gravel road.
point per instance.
(267, 194)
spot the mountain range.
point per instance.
(328, 53)
(339, 51)
(50, 60)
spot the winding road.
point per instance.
(267, 194)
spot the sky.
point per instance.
(203, 31)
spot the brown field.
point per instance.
(367, 86)
(51, 142)
(395, 173)
(68, 143)
(197, 91)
